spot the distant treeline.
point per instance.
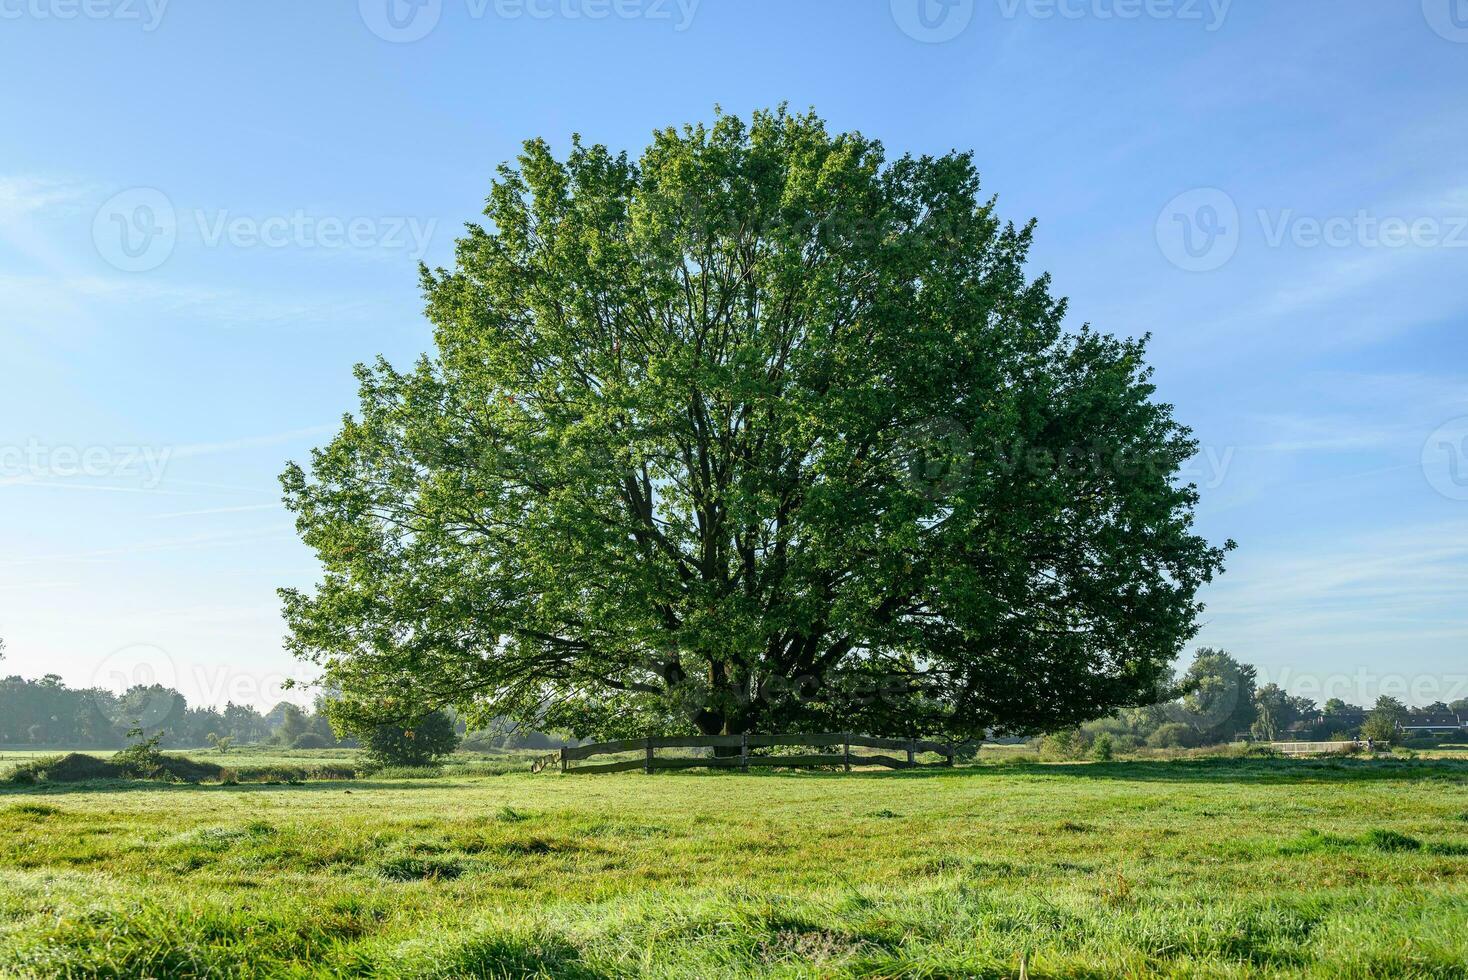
(47, 713)
(1218, 699)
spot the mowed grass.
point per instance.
(1211, 868)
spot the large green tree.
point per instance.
(1218, 696)
(761, 430)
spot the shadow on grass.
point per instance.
(149, 786)
(1152, 770)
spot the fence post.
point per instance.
(647, 765)
(744, 752)
(912, 751)
(563, 758)
(846, 749)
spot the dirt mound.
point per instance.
(189, 771)
(76, 767)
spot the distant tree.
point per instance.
(221, 743)
(1459, 707)
(1276, 710)
(244, 722)
(293, 724)
(1175, 735)
(416, 744)
(1219, 698)
(152, 707)
(761, 430)
(276, 715)
(1381, 723)
(1268, 718)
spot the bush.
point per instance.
(1064, 744)
(1175, 735)
(311, 740)
(1125, 743)
(1102, 749)
(417, 744)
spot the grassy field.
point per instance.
(1216, 868)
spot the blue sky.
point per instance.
(210, 210)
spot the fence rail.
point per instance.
(1315, 748)
(843, 742)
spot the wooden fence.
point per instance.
(837, 752)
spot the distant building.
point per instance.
(1432, 724)
(1320, 725)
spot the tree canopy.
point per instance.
(760, 430)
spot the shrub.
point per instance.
(1175, 735)
(1102, 749)
(71, 768)
(1064, 744)
(311, 740)
(1125, 743)
(416, 744)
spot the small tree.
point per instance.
(221, 743)
(292, 725)
(416, 744)
(1381, 724)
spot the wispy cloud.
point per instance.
(21, 196)
(247, 508)
(248, 442)
(1397, 588)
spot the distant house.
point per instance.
(1432, 724)
(1319, 725)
